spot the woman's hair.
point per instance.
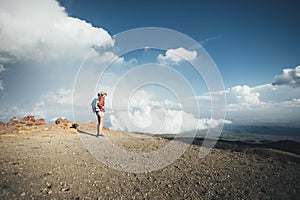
(102, 93)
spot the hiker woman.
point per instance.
(100, 112)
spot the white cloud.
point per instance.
(289, 77)
(38, 30)
(260, 104)
(238, 98)
(263, 97)
(158, 116)
(100, 58)
(161, 121)
(175, 56)
(264, 104)
(243, 97)
(40, 33)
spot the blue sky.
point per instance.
(245, 38)
(252, 43)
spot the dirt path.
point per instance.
(52, 164)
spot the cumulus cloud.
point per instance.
(238, 98)
(105, 57)
(158, 116)
(175, 56)
(260, 104)
(289, 77)
(161, 121)
(261, 99)
(243, 97)
(38, 30)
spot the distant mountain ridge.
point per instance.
(263, 130)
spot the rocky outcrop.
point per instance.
(25, 125)
(27, 121)
(29, 125)
(67, 125)
(62, 122)
(105, 128)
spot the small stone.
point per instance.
(45, 191)
(49, 185)
(65, 189)
(23, 194)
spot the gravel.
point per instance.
(53, 164)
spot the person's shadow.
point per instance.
(86, 132)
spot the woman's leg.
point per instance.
(99, 120)
(101, 124)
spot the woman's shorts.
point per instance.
(101, 114)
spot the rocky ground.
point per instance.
(40, 161)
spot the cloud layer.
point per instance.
(144, 114)
(261, 104)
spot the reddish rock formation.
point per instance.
(28, 121)
(67, 125)
(40, 122)
(61, 121)
(13, 121)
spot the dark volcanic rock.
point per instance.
(285, 145)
